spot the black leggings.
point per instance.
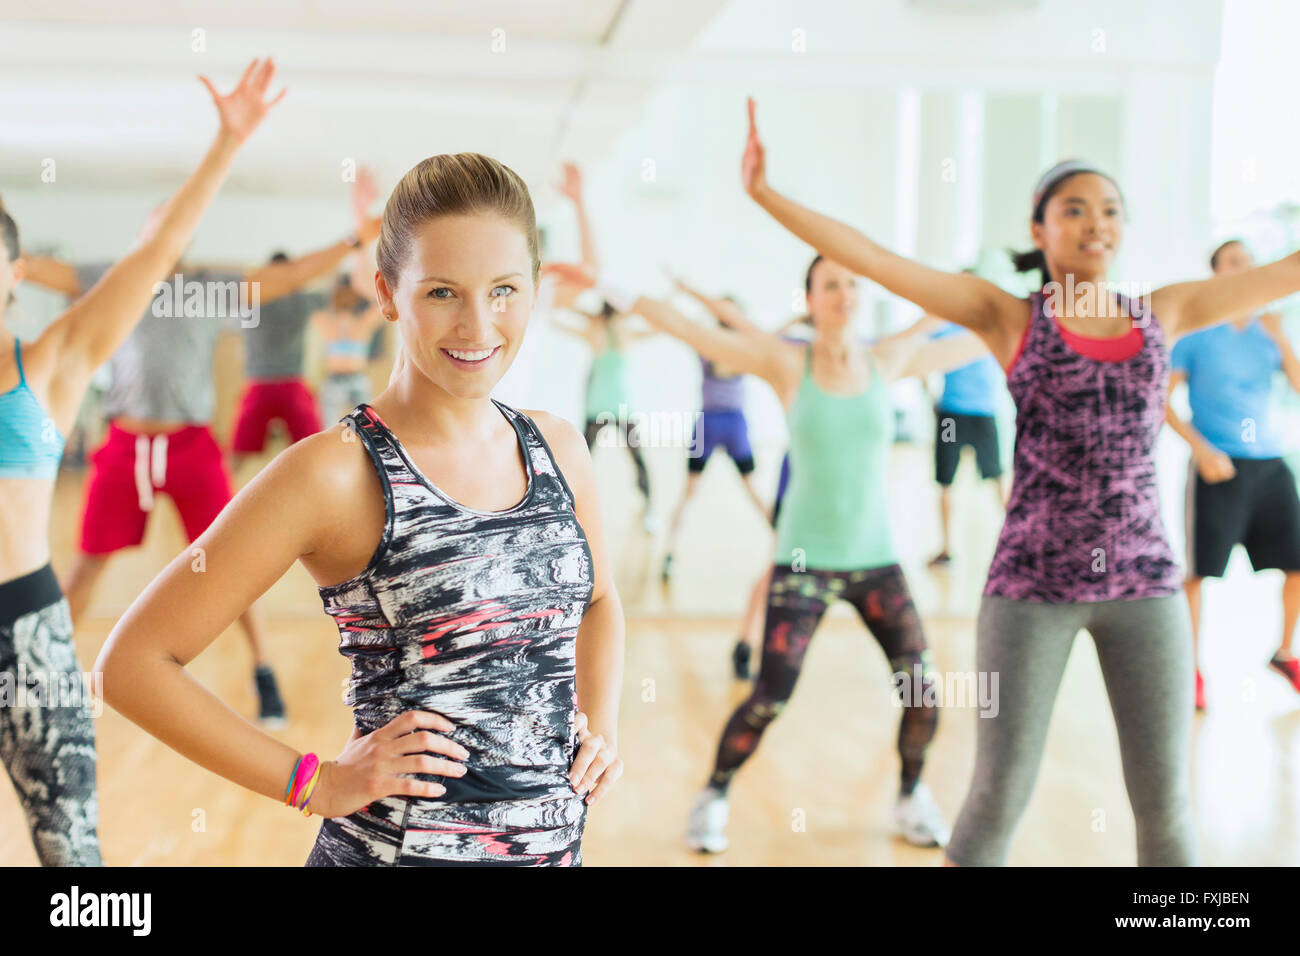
(631, 440)
(796, 601)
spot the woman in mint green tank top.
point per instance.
(608, 399)
(833, 534)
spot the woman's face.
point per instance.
(1083, 224)
(462, 301)
(833, 299)
(1233, 258)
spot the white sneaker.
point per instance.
(919, 819)
(706, 831)
(651, 523)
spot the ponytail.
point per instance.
(1030, 261)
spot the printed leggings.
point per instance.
(47, 737)
(796, 602)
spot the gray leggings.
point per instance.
(1145, 651)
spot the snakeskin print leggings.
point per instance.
(47, 738)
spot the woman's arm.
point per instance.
(965, 299)
(601, 634)
(84, 336)
(919, 356)
(1185, 307)
(275, 280)
(289, 511)
(725, 311)
(755, 353)
(571, 186)
(53, 274)
(922, 326)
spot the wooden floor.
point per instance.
(820, 788)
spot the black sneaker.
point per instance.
(270, 709)
(740, 660)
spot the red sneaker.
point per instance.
(1288, 669)
(1200, 693)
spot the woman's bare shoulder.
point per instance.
(329, 469)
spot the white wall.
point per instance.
(995, 98)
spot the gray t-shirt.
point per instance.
(273, 347)
(163, 370)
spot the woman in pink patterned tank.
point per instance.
(1083, 545)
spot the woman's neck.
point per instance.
(429, 415)
(837, 345)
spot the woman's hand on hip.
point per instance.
(374, 765)
(597, 766)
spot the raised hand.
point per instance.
(243, 109)
(364, 194)
(571, 186)
(753, 171)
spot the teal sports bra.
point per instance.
(30, 444)
(359, 348)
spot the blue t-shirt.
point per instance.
(971, 389)
(1230, 387)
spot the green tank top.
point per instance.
(607, 383)
(835, 515)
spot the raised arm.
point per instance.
(913, 356)
(94, 326)
(53, 274)
(968, 300)
(361, 276)
(202, 592)
(1188, 306)
(755, 353)
(725, 311)
(278, 279)
(571, 186)
(922, 326)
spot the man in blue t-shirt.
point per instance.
(966, 415)
(1239, 489)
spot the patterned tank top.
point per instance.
(1083, 521)
(474, 615)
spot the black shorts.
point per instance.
(952, 432)
(1259, 508)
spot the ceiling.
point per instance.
(108, 92)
